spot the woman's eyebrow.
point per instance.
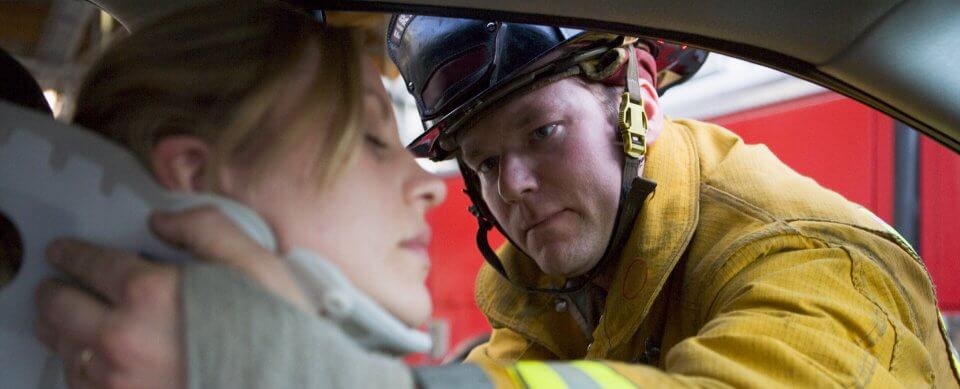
(385, 105)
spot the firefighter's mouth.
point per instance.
(543, 222)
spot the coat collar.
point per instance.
(660, 235)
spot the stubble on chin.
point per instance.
(562, 261)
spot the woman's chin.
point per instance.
(414, 312)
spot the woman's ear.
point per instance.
(179, 163)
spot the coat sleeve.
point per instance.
(808, 318)
(506, 345)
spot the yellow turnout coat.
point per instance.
(751, 274)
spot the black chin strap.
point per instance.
(634, 191)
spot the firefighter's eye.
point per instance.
(487, 165)
(544, 132)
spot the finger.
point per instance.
(210, 236)
(96, 371)
(67, 316)
(66, 351)
(44, 333)
(78, 370)
(104, 270)
(70, 355)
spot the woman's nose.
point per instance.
(426, 188)
(515, 179)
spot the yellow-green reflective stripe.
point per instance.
(537, 375)
(606, 377)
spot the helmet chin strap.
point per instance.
(634, 190)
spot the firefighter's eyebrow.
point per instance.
(526, 119)
(522, 123)
(470, 154)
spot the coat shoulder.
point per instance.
(751, 178)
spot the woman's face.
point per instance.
(369, 220)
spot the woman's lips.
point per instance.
(418, 247)
(418, 244)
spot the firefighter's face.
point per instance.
(549, 171)
(369, 221)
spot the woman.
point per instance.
(257, 103)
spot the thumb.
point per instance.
(212, 237)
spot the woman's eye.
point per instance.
(487, 165)
(375, 142)
(543, 132)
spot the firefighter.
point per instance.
(662, 251)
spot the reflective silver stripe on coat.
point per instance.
(460, 376)
(574, 377)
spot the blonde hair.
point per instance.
(215, 72)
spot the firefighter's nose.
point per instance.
(516, 179)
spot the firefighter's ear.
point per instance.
(651, 100)
(179, 163)
(651, 104)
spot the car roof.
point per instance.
(894, 55)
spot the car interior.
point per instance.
(871, 52)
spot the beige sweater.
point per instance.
(237, 335)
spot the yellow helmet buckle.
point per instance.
(633, 126)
